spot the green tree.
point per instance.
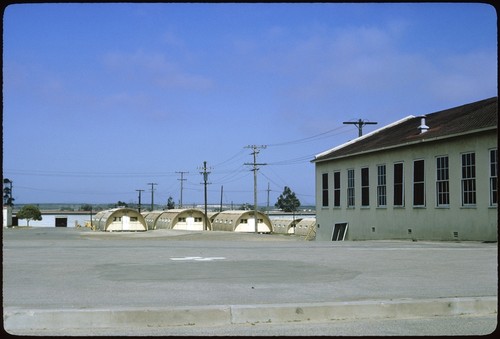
(121, 204)
(170, 203)
(287, 201)
(29, 212)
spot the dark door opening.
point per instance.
(61, 222)
(339, 231)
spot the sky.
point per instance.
(101, 100)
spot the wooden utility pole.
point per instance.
(359, 124)
(256, 151)
(205, 182)
(152, 194)
(182, 186)
(140, 199)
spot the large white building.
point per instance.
(430, 177)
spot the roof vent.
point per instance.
(423, 127)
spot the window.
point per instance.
(324, 186)
(468, 179)
(133, 219)
(418, 183)
(350, 188)
(339, 232)
(181, 219)
(336, 189)
(365, 187)
(442, 181)
(381, 186)
(493, 177)
(398, 185)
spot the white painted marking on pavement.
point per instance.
(198, 258)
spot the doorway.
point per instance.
(61, 222)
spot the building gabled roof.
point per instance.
(466, 119)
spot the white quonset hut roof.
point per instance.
(284, 225)
(119, 219)
(241, 221)
(188, 219)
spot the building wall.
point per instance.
(430, 222)
(49, 220)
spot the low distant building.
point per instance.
(56, 219)
(431, 177)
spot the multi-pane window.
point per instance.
(350, 188)
(381, 186)
(468, 179)
(398, 185)
(418, 183)
(324, 186)
(493, 177)
(442, 181)
(365, 187)
(336, 189)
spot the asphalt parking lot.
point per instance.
(67, 277)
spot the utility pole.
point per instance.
(152, 194)
(205, 182)
(221, 194)
(140, 199)
(359, 124)
(268, 190)
(182, 180)
(256, 151)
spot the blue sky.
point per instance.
(101, 99)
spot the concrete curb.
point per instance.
(239, 314)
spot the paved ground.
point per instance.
(56, 278)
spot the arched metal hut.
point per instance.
(178, 219)
(304, 226)
(241, 221)
(119, 219)
(284, 225)
(151, 217)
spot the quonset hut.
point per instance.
(241, 221)
(119, 219)
(284, 225)
(178, 219)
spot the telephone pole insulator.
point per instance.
(359, 124)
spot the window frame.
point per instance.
(336, 188)
(324, 190)
(381, 185)
(493, 177)
(442, 181)
(399, 194)
(365, 186)
(468, 179)
(351, 191)
(419, 183)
